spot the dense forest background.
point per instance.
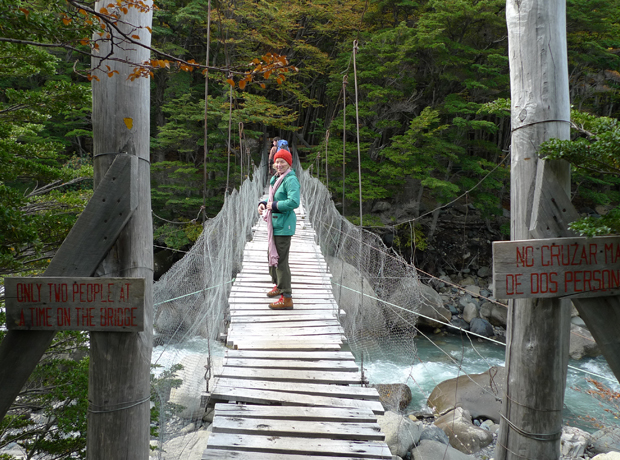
(432, 100)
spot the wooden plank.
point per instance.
(219, 454)
(75, 304)
(338, 378)
(264, 312)
(300, 289)
(258, 293)
(251, 331)
(291, 345)
(299, 306)
(306, 429)
(95, 232)
(317, 389)
(301, 446)
(257, 396)
(300, 355)
(239, 340)
(333, 414)
(293, 323)
(283, 318)
(306, 295)
(326, 365)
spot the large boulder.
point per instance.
(582, 343)
(573, 442)
(480, 394)
(190, 446)
(494, 313)
(464, 435)
(607, 456)
(606, 440)
(424, 303)
(401, 433)
(394, 396)
(362, 312)
(481, 327)
(434, 450)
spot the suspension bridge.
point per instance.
(289, 388)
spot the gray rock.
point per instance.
(189, 446)
(494, 313)
(607, 456)
(434, 450)
(582, 343)
(466, 300)
(417, 298)
(370, 318)
(473, 289)
(401, 433)
(573, 442)
(481, 327)
(394, 396)
(460, 323)
(470, 312)
(604, 441)
(464, 435)
(467, 281)
(480, 394)
(434, 433)
(483, 272)
(381, 206)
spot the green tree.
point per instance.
(594, 154)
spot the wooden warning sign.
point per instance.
(78, 304)
(557, 267)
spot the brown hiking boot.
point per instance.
(283, 303)
(275, 292)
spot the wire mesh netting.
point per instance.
(377, 292)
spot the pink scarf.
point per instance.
(273, 252)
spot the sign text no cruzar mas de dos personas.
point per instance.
(557, 267)
(82, 304)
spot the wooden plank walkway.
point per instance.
(287, 389)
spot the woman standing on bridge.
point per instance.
(281, 222)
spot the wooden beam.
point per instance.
(90, 239)
(601, 314)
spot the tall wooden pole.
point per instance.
(538, 330)
(119, 380)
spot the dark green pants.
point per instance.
(281, 274)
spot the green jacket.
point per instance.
(285, 201)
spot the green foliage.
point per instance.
(160, 386)
(594, 153)
(409, 236)
(370, 220)
(49, 417)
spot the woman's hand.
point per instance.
(261, 208)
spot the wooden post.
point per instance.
(119, 380)
(538, 329)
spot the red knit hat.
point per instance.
(285, 155)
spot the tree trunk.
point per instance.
(119, 380)
(538, 329)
